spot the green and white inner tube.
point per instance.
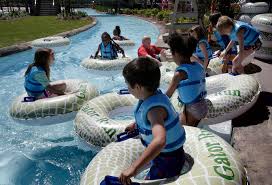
(79, 92)
(125, 42)
(214, 162)
(105, 67)
(95, 123)
(49, 42)
(227, 97)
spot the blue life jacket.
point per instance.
(250, 35)
(175, 133)
(223, 41)
(193, 89)
(108, 52)
(199, 53)
(32, 87)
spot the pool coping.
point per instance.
(16, 48)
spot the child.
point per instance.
(223, 41)
(203, 52)
(37, 76)
(149, 50)
(108, 48)
(117, 34)
(246, 36)
(189, 80)
(157, 122)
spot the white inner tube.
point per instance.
(125, 42)
(105, 67)
(49, 42)
(245, 18)
(227, 97)
(93, 122)
(226, 100)
(255, 8)
(81, 91)
(213, 161)
(215, 64)
(263, 22)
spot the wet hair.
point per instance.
(185, 46)
(213, 18)
(115, 32)
(106, 34)
(118, 29)
(143, 71)
(199, 32)
(41, 59)
(223, 23)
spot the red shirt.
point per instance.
(152, 51)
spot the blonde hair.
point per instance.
(223, 23)
(145, 38)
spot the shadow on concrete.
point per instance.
(264, 61)
(257, 114)
(252, 68)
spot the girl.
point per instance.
(189, 80)
(117, 34)
(203, 52)
(108, 48)
(37, 76)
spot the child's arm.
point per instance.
(203, 49)
(156, 117)
(96, 53)
(178, 76)
(240, 38)
(118, 48)
(54, 90)
(229, 46)
(194, 58)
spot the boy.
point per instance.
(246, 36)
(223, 41)
(157, 122)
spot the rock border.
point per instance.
(27, 45)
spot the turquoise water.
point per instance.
(54, 154)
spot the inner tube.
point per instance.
(209, 160)
(228, 97)
(80, 91)
(226, 100)
(105, 67)
(246, 18)
(125, 42)
(49, 42)
(254, 8)
(215, 64)
(93, 122)
(263, 22)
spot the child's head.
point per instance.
(146, 41)
(44, 57)
(118, 29)
(115, 32)
(142, 75)
(213, 18)
(106, 38)
(224, 25)
(182, 48)
(197, 32)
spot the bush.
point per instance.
(12, 15)
(75, 15)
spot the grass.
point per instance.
(33, 27)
